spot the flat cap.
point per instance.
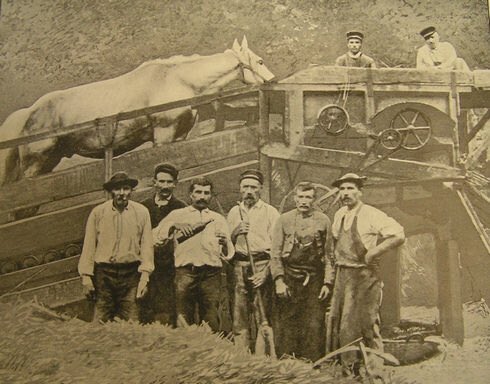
(350, 177)
(354, 35)
(427, 32)
(166, 168)
(253, 174)
(119, 179)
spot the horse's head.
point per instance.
(254, 69)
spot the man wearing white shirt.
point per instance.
(117, 254)
(438, 55)
(362, 234)
(201, 239)
(252, 221)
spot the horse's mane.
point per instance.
(174, 60)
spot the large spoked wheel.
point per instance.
(333, 119)
(414, 127)
(324, 202)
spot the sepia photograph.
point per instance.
(245, 192)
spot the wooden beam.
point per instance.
(449, 288)
(89, 177)
(39, 275)
(473, 215)
(402, 169)
(325, 74)
(475, 155)
(478, 126)
(475, 99)
(52, 295)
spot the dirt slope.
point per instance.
(52, 44)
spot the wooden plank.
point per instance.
(88, 125)
(44, 232)
(89, 177)
(402, 169)
(324, 74)
(482, 78)
(449, 288)
(391, 275)
(481, 123)
(52, 295)
(475, 220)
(475, 99)
(39, 275)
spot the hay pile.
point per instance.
(36, 347)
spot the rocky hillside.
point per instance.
(53, 44)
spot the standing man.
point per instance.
(354, 56)
(201, 239)
(252, 222)
(362, 235)
(438, 55)
(300, 242)
(159, 303)
(117, 255)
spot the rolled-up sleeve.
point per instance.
(146, 250)
(277, 268)
(86, 262)
(160, 232)
(385, 226)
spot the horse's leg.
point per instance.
(173, 125)
(185, 123)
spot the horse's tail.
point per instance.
(12, 128)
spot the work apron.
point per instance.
(356, 298)
(299, 326)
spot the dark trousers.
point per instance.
(356, 302)
(198, 286)
(159, 303)
(115, 290)
(299, 320)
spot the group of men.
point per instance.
(163, 260)
(433, 55)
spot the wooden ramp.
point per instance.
(42, 220)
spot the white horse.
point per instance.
(152, 83)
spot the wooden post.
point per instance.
(263, 117)
(370, 108)
(449, 287)
(294, 125)
(463, 131)
(390, 273)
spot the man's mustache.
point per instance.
(202, 201)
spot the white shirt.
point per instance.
(202, 248)
(444, 56)
(372, 224)
(262, 218)
(117, 237)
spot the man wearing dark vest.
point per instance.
(354, 56)
(159, 303)
(300, 242)
(362, 234)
